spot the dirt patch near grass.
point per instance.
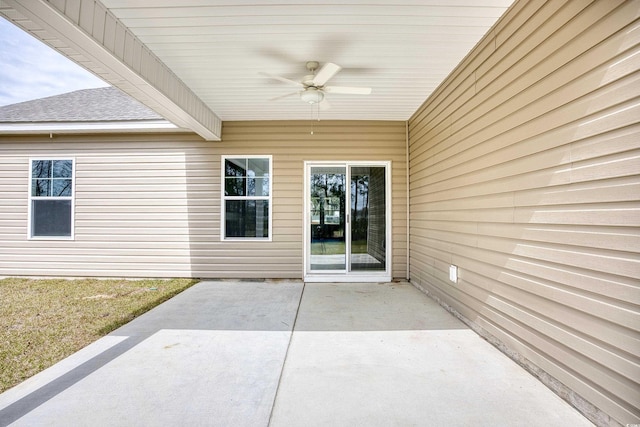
(42, 321)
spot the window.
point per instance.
(51, 198)
(246, 201)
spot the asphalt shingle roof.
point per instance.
(87, 105)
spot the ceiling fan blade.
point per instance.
(283, 96)
(347, 90)
(282, 79)
(324, 105)
(326, 73)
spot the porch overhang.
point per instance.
(89, 34)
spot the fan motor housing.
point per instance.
(308, 80)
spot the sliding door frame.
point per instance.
(347, 276)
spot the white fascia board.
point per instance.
(89, 127)
(94, 33)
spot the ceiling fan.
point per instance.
(313, 86)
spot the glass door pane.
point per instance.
(368, 218)
(328, 219)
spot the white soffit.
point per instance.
(401, 49)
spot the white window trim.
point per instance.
(224, 198)
(30, 235)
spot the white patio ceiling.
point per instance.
(401, 49)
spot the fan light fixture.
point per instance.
(311, 95)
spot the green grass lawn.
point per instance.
(42, 321)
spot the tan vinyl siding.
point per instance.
(332, 140)
(525, 173)
(149, 206)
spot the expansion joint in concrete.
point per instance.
(286, 355)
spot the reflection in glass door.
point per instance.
(368, 219)
(347, 221)
(327, 204)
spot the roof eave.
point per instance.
(43, 128)
(141, 75)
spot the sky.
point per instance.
(29, 69)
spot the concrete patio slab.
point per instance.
(386, 355)
(227, 353)
(210, 356)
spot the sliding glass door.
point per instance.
(346, 229)
(328, 218)
(368, 219)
